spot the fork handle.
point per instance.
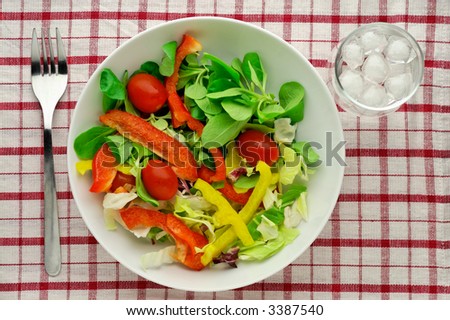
(52, 249)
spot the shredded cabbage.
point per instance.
(268, 229)
(301, 205)
(191, 221)
(270, 198)
(292, 216)
(296, 212)
(140, 232)
(196, 205)
(112, 202)
(158, 258)
(264, 249)
(284, 131)
(195, 208)
(304, 170)
(110, 216)
(291, 167)
(118, 200)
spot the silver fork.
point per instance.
(49, 81)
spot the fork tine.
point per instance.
(44, 52)
(35, 55)
(62, 62)
(50, 49)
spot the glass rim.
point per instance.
(395, 104)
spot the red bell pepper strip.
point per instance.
(228, 191)
(121, 180)
(186, 240)
(180, 113)
(140, 131)
(137, 216)
(219, 162)
(104, 169)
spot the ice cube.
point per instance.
(352, 82)
(398, 49)
(373, 42)
(412, 56)
(375, 68)
(352, 54)
(374, 95)
(399, 86)
(396, 69)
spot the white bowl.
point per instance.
(227, 39)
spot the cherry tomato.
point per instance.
(146, 92)
(254, 145)
(160, 180)
(122, 179)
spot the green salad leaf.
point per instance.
(88, 142)
(195, 91)
(111, 86)
(238, 110)
(291, 99)
(114, 91)
(305, 149)
(120, 147)
(221, 69)
(246, 182)
(142, 192)
(152, 68)
(168, 62)
(291, 195)
(220, 129)
(252, 69)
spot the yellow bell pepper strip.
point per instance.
(265, 178)
(214, 249)
(227, 190)
(225, 214)
(124, 168)
(83, 166)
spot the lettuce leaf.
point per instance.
(264, 249)
(158, 258)
(118, 200)
(270, 198)
(291, 167)
(267, 229)
(284, 131)
(192, 210)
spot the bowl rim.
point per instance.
(334, 115)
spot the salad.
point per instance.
(193, 152)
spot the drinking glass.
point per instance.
(375, 69)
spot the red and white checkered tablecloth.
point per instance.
(389, 235)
